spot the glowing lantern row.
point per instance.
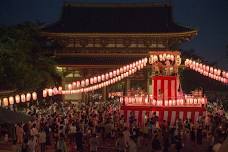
(178, 102)
(109, 75)
(103, 84)
(165, 57)
(207, 70)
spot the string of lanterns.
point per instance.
(107, 76)
(116, 77)
(165, 57)
(209, 71)
(184, 101)
(18, 98)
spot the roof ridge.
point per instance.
(146, 4)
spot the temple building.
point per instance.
(91, 39)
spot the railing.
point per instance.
(180, 101)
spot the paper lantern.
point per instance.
(168, 57)
(160, 57)
(170, 102)
(34, 96)
(11, 100)
(117, 72)
(121, 70)
(94, 79)
(191, 101)
(50, 92)
(83, 83)
(0, 102)
(60, 89)
(69, 86)
(110, 74)
(128, 67)
(195, 101)
(74, 84)
(211, 70)
(171, 57)
(99, 78)
(131, 66)
(145, 60)
(166, 102)
(44, 93)
(17, 99)
(124, 69)
(114, 73)
(5, 102)
(28, 96)
(106, 76)
(103, 77)
(23, 99)
(87, 82)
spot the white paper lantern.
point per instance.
(83, 83)
(34, 96)
(44, 93)
(99, 78)
(23, 99)
(50, 92)
(87, 82)
(5, 102)
(106, 76)
(114, 73)
(74, 84)
(28, 96)
(94, 79)
(11, 100)
(17, 99)
(69, 86)
(103, 77)
(110, 74)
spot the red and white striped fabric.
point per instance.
(165, 87)
(170, 114)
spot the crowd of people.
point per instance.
(92, 126)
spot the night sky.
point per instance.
(209, 17)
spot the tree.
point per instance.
(23, 64)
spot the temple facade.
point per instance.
(90, 39)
